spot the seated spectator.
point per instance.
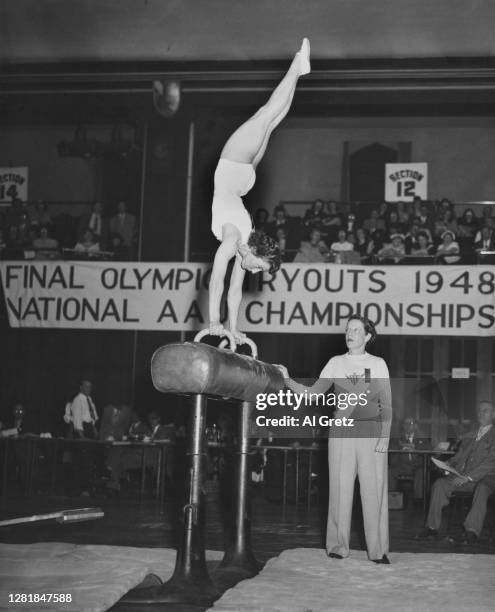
(448, 251)
(486, 242)
(375, 234)
(124, 224)
(44, 245)
(403, 214)
(422, 248)
(119, 250)
(467, 224)
(409, 465)
(3, 244)
(445, 205)
(393, 223)
(138, 428)
(363, 245)
(374, 222)
(313, 251)
(426, 220)
(280, 219)
(445, 223)
(342, 243)
(489, 223)
(121, 458)
(393, 251)
(41, 216)
(475, 462)
(411, 241)
(114, 422)
(383, 211)
(314, 216)
(261, 220)
(88, 244)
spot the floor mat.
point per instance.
(306, 580)
(96, 577)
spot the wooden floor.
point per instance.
(128, 522)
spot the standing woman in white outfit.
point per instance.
(234, 177)
(360, 450)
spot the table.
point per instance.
(54, 445)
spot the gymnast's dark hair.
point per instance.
(369, 326)
(265, 247)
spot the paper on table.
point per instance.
(445, 466)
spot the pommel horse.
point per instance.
(201, 371)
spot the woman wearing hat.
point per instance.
(448, 251)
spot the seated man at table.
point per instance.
(475, 463)
(123, 458)
(408, 465)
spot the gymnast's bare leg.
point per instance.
(248, 143)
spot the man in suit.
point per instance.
(475, 462)
(124, 224)
(97, 223)
(408, 464)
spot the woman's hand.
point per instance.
(381, 445)
(217, 329)
(283, 370)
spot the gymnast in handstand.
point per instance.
(235, 175)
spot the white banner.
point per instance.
(14, 184)
(302, 298)
(405, 181)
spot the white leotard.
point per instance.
(232, 181)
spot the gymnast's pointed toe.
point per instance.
(304, 53)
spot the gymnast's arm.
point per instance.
(227, 249)
(234, 298)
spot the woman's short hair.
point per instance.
(369, 326)
(265, 247)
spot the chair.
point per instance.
(459, 506)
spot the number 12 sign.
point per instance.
(405, 181)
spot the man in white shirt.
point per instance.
(83, 411)
(475, 462)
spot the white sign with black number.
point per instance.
(13, 184)
(403, 182)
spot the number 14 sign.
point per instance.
(405, 181)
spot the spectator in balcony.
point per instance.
(416, 206)
(120, 252)
(280, 220)
(331, 216)
(375, 233)
(281, 239)
(41, 216)
(374, 222)
(96, 222)
(88, 244)
(487, 213)
(448, 251)
(261, 220)
(487, 222)
(394, 251)
(486, 241)
(124, 224)
(349, 223)
(44, 245)
(445, 223)
(342, 243)
(315, 215)
(422, 247)
(313, 251)
(467, 224)
(403, 214)
(17, 214)
(443, 206)
(363, 245)
(383, 211)
(393, 221)
(3, 243)
(426, 219)
(411, 241)
(11, 239)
